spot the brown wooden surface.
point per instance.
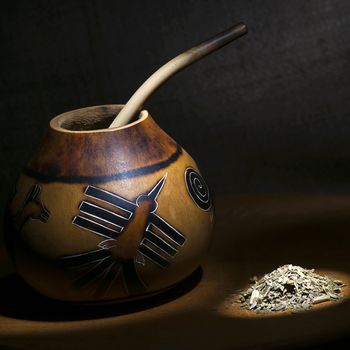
(254, 234)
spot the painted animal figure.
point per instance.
(135, 241)
(32, 208)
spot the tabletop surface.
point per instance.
(253, 235)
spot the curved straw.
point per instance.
(178, 63)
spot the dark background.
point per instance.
(269, 113)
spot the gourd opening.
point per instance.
(97, 118)
(81, 123)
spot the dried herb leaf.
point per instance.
(291, 288)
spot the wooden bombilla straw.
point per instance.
(178, 63)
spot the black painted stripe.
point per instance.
(110, 198)
(167, 229)
(132, 280)
(94, 227)
(152, 255)
(84, 258)
(160, 243)
(93, 273)
(42, 177)
(103, 214)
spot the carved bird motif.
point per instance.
(129, 242)
(32, 208)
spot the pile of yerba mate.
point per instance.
(289, 288)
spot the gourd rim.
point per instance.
(93, 119)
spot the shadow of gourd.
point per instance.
(20, 301)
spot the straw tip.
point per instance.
(242, 27)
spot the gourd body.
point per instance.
(102, 215)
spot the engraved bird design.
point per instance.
(32, 208)
(131, 238)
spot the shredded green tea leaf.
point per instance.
(290, 288)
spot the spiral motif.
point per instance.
(198, 189)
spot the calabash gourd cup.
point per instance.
(108, 214)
